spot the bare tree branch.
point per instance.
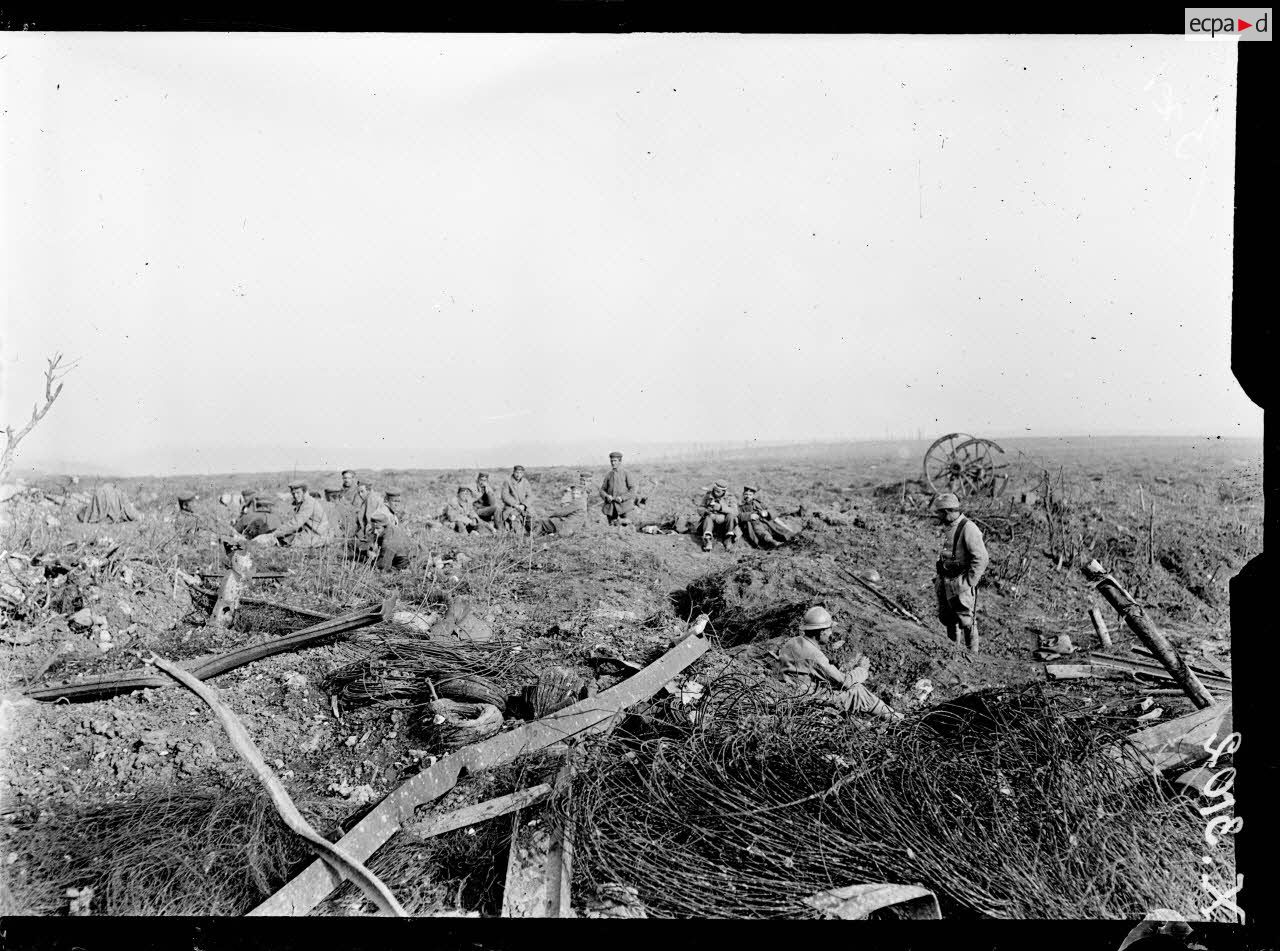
(53, 377)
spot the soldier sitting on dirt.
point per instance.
(807, 672)
(391, 547)
(368, 503)
(460, 514)
(488, 502)
(759, 527)
(307, 527)
(719, 513)
(391, 498)
(348, 491)
(256, 515)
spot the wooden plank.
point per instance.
(524, 893)
(1076, 671)
(559, 868)
(1180, 742)
(480, 812)
(600, 712)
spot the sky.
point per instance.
(348, 249)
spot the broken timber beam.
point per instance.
(1141, 625)
(596, 713)
(480, 812)
(1100, 626)
(202, 668)
(1152, 667)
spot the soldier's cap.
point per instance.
(750, 488)
(364, 482)
(391, 493)
(186, 496)
(247, 494)
(946, 501)
(348, 472)
(584, 475)
(615, 455)
(298, 484)
(481, 475)
(380, 518)
(331, 494)
(517, 468)
(466, 488)
(720, 484)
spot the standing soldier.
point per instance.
(719, 510)
(961, 562)
(488, 502)
(618, 491)
(517, 501)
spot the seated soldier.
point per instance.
(807, 673)
(719, 513)
(759, 527)
(257, 515)
(488, 502)
(460, 514)
(391, 498)
(573, 513)
(391, 548)
(368, 502)
(306, 527)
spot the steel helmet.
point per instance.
(816, 619)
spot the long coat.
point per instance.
(618, 484)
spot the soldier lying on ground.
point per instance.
(807, 673)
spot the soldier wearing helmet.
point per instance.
(804, 667)
(961, 562)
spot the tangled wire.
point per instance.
(165, 852)
(1005, 804)
(401, 671)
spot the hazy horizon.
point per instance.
(325, 250)
(500, 459)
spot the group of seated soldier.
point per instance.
(370, 521)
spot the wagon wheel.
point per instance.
(984, 471)
(941, 472)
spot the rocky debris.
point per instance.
(355, 795)
(294, 681)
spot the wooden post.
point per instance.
(233, 584)
(1141, 625)
(1100, 626)
(1151, 534)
